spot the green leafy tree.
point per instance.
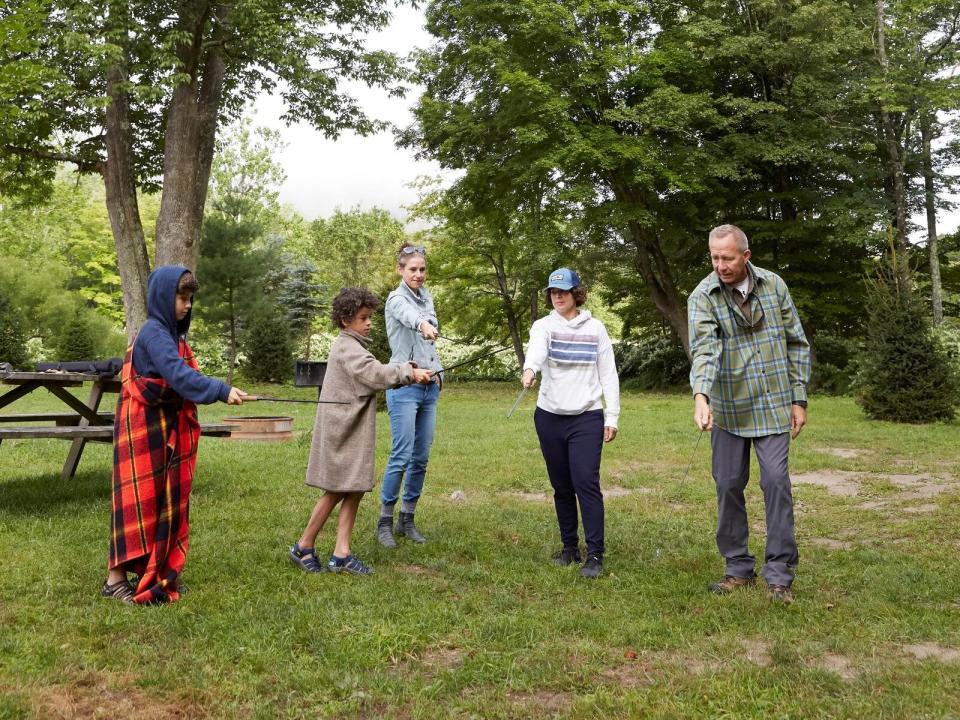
(904, 374)
(269, 348)
(135, 90)
(13, 339)
(355, 248)
(650, 123)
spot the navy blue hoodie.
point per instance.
(155, 351)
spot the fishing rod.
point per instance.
(517, 401)
(472, 360)
(264, 398)
(692, 455)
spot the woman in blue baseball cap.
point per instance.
(572, 351)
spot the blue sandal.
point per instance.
(306, 559)
(350, 565)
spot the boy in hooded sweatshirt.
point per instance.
(155, 435)
(573, 353)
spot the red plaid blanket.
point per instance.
(155, 435)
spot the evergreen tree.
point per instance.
(269, 348)
(300, 297)
(905, 375)
(12, 336)
(76, 341)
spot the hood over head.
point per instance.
(162, 298)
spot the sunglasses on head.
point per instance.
(414, 250)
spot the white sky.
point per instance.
(367, 172)
(354, 171)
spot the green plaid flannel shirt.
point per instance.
(751, 376)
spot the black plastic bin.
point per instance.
(309, 373)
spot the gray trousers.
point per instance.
(731, 471)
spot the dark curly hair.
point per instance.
(348, 302)
(579, 296)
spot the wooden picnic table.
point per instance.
(83, 423)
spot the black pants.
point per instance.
(571, 446)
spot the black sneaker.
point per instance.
(592, 567)
(567, 556)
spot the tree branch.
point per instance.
(83, 166)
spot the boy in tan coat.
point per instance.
(344, 435)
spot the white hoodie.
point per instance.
(575, 359)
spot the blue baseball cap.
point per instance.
(563, 279)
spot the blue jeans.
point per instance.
(413, 417)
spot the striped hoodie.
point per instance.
(575, 359)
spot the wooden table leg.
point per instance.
(76, 448)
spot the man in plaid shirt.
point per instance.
(751, 365)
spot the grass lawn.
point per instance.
(478, 623)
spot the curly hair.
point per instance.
(579, 296)
(188, 284)
(348, 302)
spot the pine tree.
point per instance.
(76, 343)
(268, 347)
(905, 376)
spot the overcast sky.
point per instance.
(353, 171)
(366, 172)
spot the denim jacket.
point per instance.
(404, 312)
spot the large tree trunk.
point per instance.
(653, 267)
(121, 199)
(189, 141)
(930, 199)
(895, 158)
(506, 298)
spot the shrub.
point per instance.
(13, 339)
(652, 361)
(904, 373)
(76, 342)
(834, 367)
(268, 347)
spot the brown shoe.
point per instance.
(730, 583)
(780, 593)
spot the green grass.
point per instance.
(478, 623)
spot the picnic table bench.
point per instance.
(84, 423)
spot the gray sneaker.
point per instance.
(385, 532)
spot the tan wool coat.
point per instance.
(344, 436)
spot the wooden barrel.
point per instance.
(261, 428)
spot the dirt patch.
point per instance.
(830, 543)
(549, 701)
(932, 651)
(94, 696)
(629, 469)
(839, 664)
(756, 651)
(614, 492)
(540, 497)
(637, 673)
(835, 482)
(442, 658)
(845, 453)
(926, 508)
(418, 570)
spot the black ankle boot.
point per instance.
(385, 532)
(406, 526)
